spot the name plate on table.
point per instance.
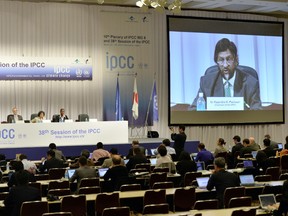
(225, 103)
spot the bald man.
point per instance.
(253, 144)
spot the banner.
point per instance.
(127, 50)
(46, 68)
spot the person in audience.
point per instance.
(100, 152)
(268, 148)
(286, 143)
(238, 145)
(165, 160)
(84, 171)
(108, 162)
(18, 166)
(246, 149)
(170, 151)
(204, 155)
(272, 143)
(135, 144)
(263, 162)
(27, 164)
(39, 118)
(50, 162)
(220, 147)
(184, 165)
(58, 154)
(117, 173)
(221, 179)
(85, 153)
(137, 158)
(253, 144)
(179, 140)
(283, 206)
(19, 194)
(12, 118)
(61, 117)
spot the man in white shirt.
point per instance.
(28, 165)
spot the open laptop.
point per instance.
(70, 173)
(200, 165)
(247, 180)
(153, 161)
(254, 153)
(266, 199)
(152, 151)
(102, 172)
(280, 146)
(126, 161)
(248, 163)
(202, 182)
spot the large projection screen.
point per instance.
(203, 60)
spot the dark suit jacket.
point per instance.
(83, 172)
(117, 175)
(137, 159)
(17, 196)
(56, 118)
(222, 180)
(245, 86)
(10, 118)
(179, 142)
(52, 163)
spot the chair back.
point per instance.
(89, 182)
(162, 208)
(157, 177)
(284, 163)
(83, 117)
(74, 204)
(138, 170)
(274, 172)
(283, 176)
(163, 185)
(130, 187)
(36, 185)
(146, 166)
(206, 204)
(56, 173)
(210, 167)
(170, 165)
(104, 200)
(60, 192)
(154, 197)
(40, 177)
(184, 199)
(58, 214)
(191, 176)
(33, 115)
(240, 202)
(250, 212)
(58, 185)
(101, 160)
(232, 192)
(112, 211)
(263, 178)
(161, 169)
(89, 190)
(35, 208)
(3, 195)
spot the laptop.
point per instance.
(153, 161)
(70, 173)
(202, 182)
(200, 165)
(280, 146)
(126, 161)
(247, 180)
(266, 199)
(254, 153)
(102, 172)
(152, 151)
(248, 163)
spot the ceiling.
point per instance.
(276, 7)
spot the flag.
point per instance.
(135, 101)
(118, 112)
(155, 103)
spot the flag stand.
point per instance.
(148, 110)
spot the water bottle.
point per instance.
(146, 152)
(201, 102)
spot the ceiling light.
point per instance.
(175, 6)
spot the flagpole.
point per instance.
(149, 104)
(132, 123)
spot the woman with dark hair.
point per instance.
(220, 147)
(40, 117)
(185, 164)
(263, 162)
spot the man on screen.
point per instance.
(229, 80)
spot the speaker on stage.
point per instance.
(152, 134)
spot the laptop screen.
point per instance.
(152, 151)
(202, 181)
(246, 179)
(102, 171)
(254, 153)
(200, 165)
(70, 172)
(247, 163)
(126, 161)
(153, 161)
(266, 199)
(280, 146)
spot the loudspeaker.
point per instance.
(152, 134)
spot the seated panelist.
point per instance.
(39, 118)
(12, 118)
(61, 117)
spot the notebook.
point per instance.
(153, 161)
(248, 163)
(247, 180)
(102, 171)
(266, 199)
(202, 182)
(70, 172)
(254, 153)
(200, 165)
(152, 151)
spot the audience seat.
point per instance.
(59, 192)
(163, 185)
(240, 202)
(89, 182)
(157, 177)
(130, 187)
(263, 178)
(146, 166)
(58, 214)
(89, 190)
(206, 204)
(191, 176)
(250, 212)
(284, 163)
(115, 211)
(162, 208)
(184, 199)
(274, 172)
(104, 200)
(232, 192)
(74, 204)
(58, 185)
(56, 173)
(154, 197)
(35, 208)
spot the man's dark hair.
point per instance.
(52, 146)
(137, 151)
(246, 141)
(22, 156)
(114, 151)
(162, 150)
(116, 160)
(201, 146)
(83, 160)
(51, 153)
(166, 142)
(223, 45)
(266, 142)
(237, 138)
(39, 113)
(219, 162)
(184, 156)
(135, 142)
(99, 145)
(22, 177)
(17, 166)
(182, 127)
(85, 153)
(267, 136)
